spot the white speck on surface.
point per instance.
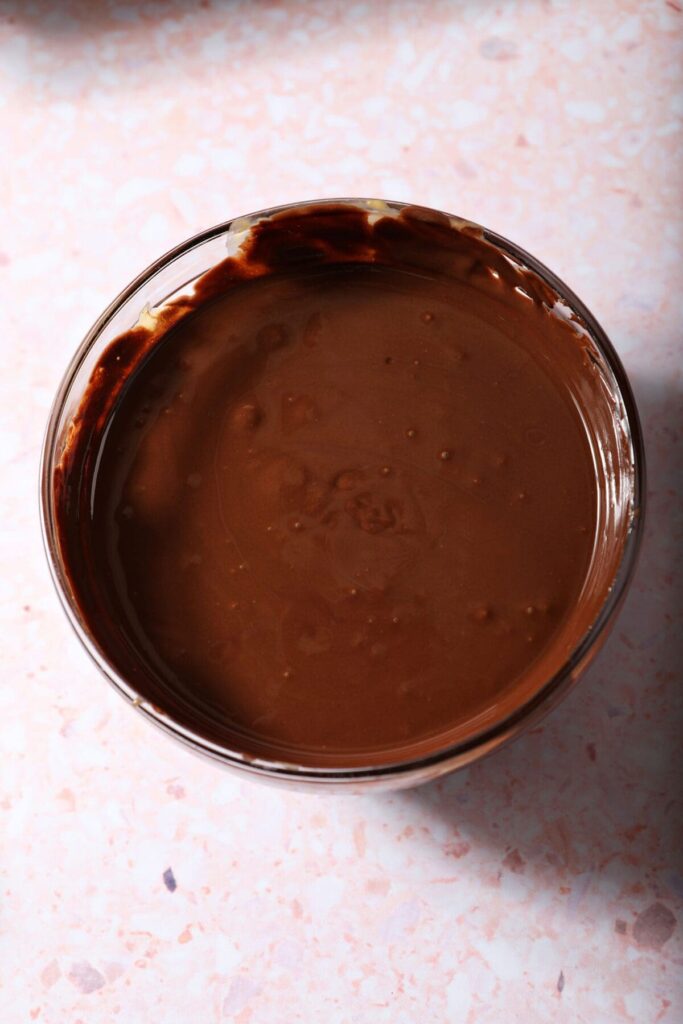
(629, 30)
(586, 110)
(135, 189)
(464, 114)
(324, 893)
(574, 48)
(188, 165)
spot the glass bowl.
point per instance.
(174, 273)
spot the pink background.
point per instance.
(544, 884)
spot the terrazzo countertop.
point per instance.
(138, 883)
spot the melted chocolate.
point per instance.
(343, 500)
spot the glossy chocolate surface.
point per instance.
(347, 498)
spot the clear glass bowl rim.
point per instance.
(447, 758)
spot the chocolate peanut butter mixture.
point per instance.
(342, 498)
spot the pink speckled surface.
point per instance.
(545, 884)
